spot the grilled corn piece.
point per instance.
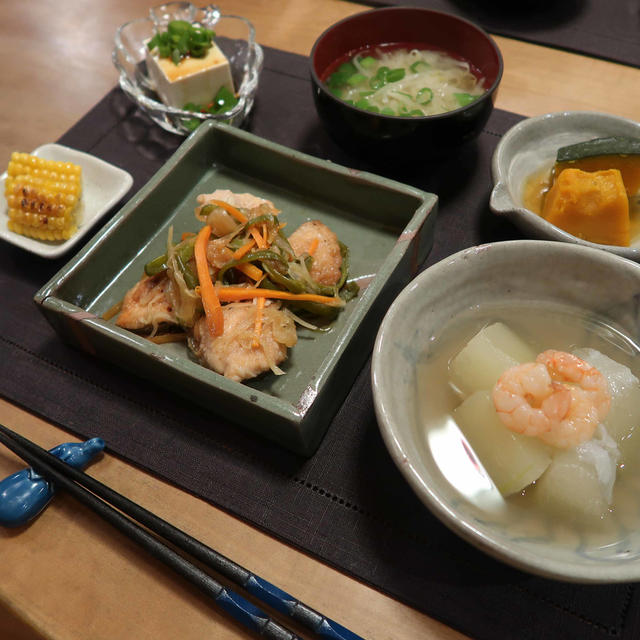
(42, 196)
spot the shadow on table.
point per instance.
(524, 15)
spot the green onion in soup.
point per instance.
(405, 82)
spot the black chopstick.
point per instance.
(76, 482)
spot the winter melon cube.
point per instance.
(493, 350)
(624, 413)
(579, 481)
(513, 461)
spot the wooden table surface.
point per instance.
(68, 576)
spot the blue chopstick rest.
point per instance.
(24, 494)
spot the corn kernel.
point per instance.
(42, 196)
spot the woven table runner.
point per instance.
(608, 29)
(347, 505)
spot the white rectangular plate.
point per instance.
(103, 185)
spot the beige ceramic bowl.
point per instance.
(531, 146)
(518, 272)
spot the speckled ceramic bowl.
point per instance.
(531, 146)
(439, 468)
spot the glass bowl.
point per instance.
(235, 36)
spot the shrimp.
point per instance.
(560, 399)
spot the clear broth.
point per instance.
(549, 327)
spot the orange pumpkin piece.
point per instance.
(590, 205)
(629, 167)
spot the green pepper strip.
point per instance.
(282, 242)
(156, 265)
(184, 253)
(190, 278)
(344, 267)
(348, 290)
(259, 220)
(290, 284)
(250, 257)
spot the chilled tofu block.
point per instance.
(579, 482)
(624, 413)
(486, 356)
(513, 461)
(194, 80)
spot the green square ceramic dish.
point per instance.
(387, 226)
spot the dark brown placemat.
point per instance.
(608, 29)
(348, 504)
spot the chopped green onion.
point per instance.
(191, 124)
(356, 79)
(347, 68)
(388, 111)
(225, 99)
(367, 62)
(376, 83)
(395, 75)
(363, 103)
(424, 96)
(419, 66)
(464, 98)
(178, 27)
(181, 39)
(337, 79)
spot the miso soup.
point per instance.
(404, 81)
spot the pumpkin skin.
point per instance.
(604, 153)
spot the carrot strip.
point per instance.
(113, 311)
(210, 301)
(233, 294)
(243, 250)
(257, 329)
(257, 236)
(186, 234)
(313, 246)
(250, 270)
(230, 209)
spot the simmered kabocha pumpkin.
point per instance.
(592, 205)
(604, 153)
